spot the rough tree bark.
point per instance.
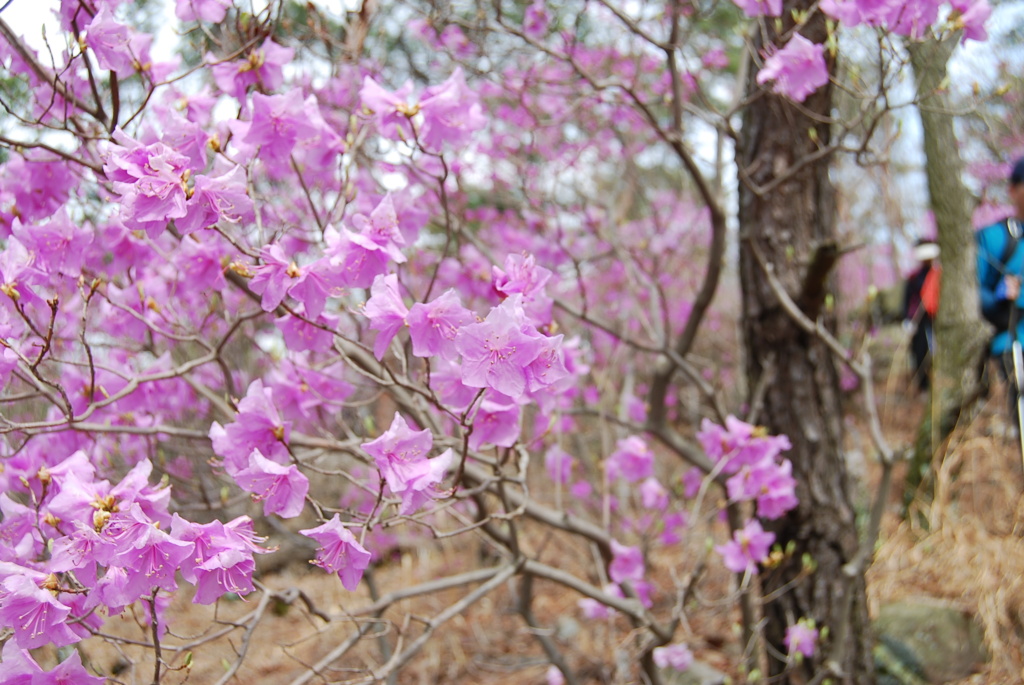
(960, 334)
(787, 224)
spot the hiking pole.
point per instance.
(1017, 353)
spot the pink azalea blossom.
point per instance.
(522, 275)
(211, 11)
(215, 199)
(496, 422)
(972, 17)
(109, 42)
(339, 552)
(496, 352)
(151, 182)
(229, 570)
(770, 483)
(20, 669)
(58, 244)
(400, 452)
(760, 8)
(627, 563)
(594, 610)
(386, 311)
(278, 123)
(35, 615)
(677, 656)
(381, 230)
(392, 109)
(536, 19)
(739, 443)
(653, 494)
(558, 464)
(748, 548)
(257, 426)
(797, 69)
(632, 460)
(282, 489)
(262, 65)
(451, 113)
(802, 637)
(310, 284)
(401, 456)
(434, 325)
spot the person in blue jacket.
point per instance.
(1000, 271)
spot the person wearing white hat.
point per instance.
(916, 318)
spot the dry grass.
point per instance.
(965, 547)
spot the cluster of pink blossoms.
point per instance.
(798, 68)
(86, 544)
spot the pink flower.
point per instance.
(423, 487)
(798, 69)
(278, 123)
(222, 559)
(973, 15)
(548, 368)
(632, 460)
(758, 8)
(214, 199)
(300, 336)
(258, 426)
(854, 12)
(229, 570)
(339, 552)
(495, 353)
(281, 488)
(593, 609)
(434, 325)
(310, 284)
(400, 452)
(392, 110)
(801, 637)
(522, 275)
(536, 19)
(447, 113)
(740, 443)
(770, 483)
(40, 187)
(692, 480)
(34, 614)
(381, 230)
(59, 244)
(211, 11)
(627, 563)
(20, 669)
(110, 43)
(496, 422)
(401, 456)
(677, 656)
(386, 311)
(149, 555)
(653, 495)
(151, 182)
(451, 113)
(748, 548)
(558, 464)
(263, 66)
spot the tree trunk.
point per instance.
(960, 335)
(791, 228)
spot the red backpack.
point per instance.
(930, 290)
